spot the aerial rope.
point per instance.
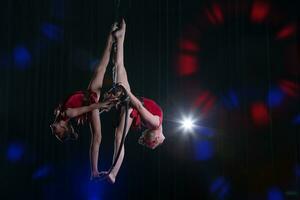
(114, 74)
(120, 92)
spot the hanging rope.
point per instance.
(117, 16)
(126, 104)
(123, 98)
(120, 91)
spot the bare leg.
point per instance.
(120, 70)
(118, 138)
(97, 79)
(96, 136)
(122, 79)
(148, 117)
(95, 124)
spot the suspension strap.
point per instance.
(122, 140)
(114, 47)
(114, 69)
(124, 100)
(124, 97)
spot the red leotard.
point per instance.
(152, 107)
(79, 99)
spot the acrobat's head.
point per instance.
(117, 92)
(63, 131)
(152, 138)
(62, 128)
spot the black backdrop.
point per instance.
(249, 146)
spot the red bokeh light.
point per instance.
(260, 11)
(290, 88)
(187, 61)
(259, 113)
(210, 17)
(216, 15)
(286, 31)
(209, 105)
(204, 101)
(189, 46)
(201, 99)
(187, 64)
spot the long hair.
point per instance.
(70, 133)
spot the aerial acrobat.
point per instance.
(86, 107)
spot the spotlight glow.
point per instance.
(188, 123)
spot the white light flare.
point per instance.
(188, 124)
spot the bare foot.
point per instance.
(120, 33)
(111, 178)
(104, 175)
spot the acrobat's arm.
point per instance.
(149, 118)
(106, 105)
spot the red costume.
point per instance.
(152, 107)
(79, 99)
(85, 98)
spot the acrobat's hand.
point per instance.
(99, 177)
(120, 32)
(114, 27)
(124, 86)
(107, 104)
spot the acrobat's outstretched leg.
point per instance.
(121, 79)
(119, 62)
(97, 79)
(95, 123)
(118, 138)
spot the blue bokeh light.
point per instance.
(52, 32)
(275, 97)
(224, 191)
(296, 120)
(15, 152)
(78, 181)
(86, 189)
(231, 100)
(220, 188)
(94, 191)
(22, 57)
(42, 172)
(204, 150)
(275, 193)
(208, 132)
(216, 184)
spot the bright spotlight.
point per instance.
(187, 123)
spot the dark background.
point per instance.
(232, 64)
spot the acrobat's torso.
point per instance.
(152, 107)
(79, 99)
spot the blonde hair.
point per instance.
(150, 139)
(69, 134)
